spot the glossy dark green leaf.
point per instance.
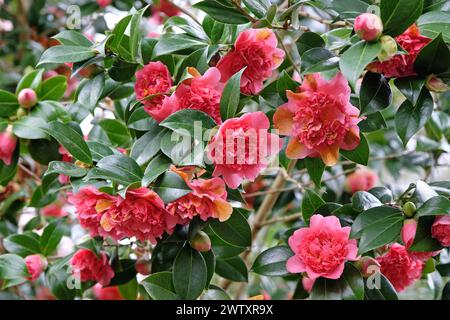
(116, 131)
(23, 244)
(32, 80)
(73, 38)
(285, 82)
(229, 102)
(235, 231)
(118, 168)
(272, 262)
(157, 166)
(51, 237)
(91, 91)
(434, 58)
(375, 93)
(315, 167)
(398, 15)
(435, 206)
(171, 187)
(309, 40)
(362, 201)
(360, 154)
(373, 122)
(65, 168)
(124, 272)
(423, 239)
(318, 60)
(435, 22)
(175, 43)
(189, 121)
(13, 270)
(221, 11)
(53, 88)
(189, 273)
(8, 103)
(215, 293)
(233, 269)
(99, 150)
(379, 290)
(311, 202)
(410, 87)
(62, 54)
(160, 286)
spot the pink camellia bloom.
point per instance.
(89, 204)
(207, 200)
(36, 264)
(104, 3)
(402, 65)
(27, 98)
(255, 49)
(321, 249)
(408, 234)
(319, 119)
(141, 214)
(161, 8)
(7, 145)
(199, 92)
(53, 210)
(363, 179)
(89, 267)
(153, 79)
(368, 26)
(106, 293)
(400, 267)
(241, 147)
(440, 230)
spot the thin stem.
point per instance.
(186, 12)
(288, 218)
(31, 173)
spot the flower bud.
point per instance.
(7, 145)
(36, 264)
(435, 84)
(388, 48)
(27, 98)
(368, 26)
(143, 267)
(409, 209)
(368, 266)
(201, 242)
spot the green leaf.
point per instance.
(272, 262)
(375, 93)
(398, 15)
(99, 150)
(118, 33)
(382, 193)
(13, 270)
(410, 87)
(285, 82)
(157, 166)
(258, 7)
(229, 102)
(309, 40)
(373, 122)
(189, 273)
(31, 80)
(61, 54)
(124, 272)
(410, 118)
(188, 25)
(122, 70)
(135, 32)
(235, 231)
(189, 121)
(315, 167)
(356, 58)
(311, 202)
(233, 269)
(360, 154)
(434, 206)
(385, 291)
(174, 43)
(377, 227)
(8, 103)
(118, 168)
(91, 91)
(423, 239)
(215, 293)
(53, 88)
(221, 11)
(73, 38)
(65, 168)
(116, 131)
(159, 286)
(51, 237)
(434, 58)
(362, 201)
(23, 244)
(129, 291)
(423, 193)
(433, 23)
(140, 120)
(318, 60)
(71, 140)
(148, 145)
(171, 187)
(222, 249)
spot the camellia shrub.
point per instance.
(224, 149)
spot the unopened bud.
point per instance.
(435, 84)
(27, 98)
(388, 48)
(409, 209)
(368, 266)
(368, 26)
(201, 242)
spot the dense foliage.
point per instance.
(224, 149)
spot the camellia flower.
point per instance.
(401, 268)
(368, 26)
(199, 92)
(408, 234)
(36, 264)
(7, 145)
(319, 119)
(241, 147)
(321, 249)
(89, 204)
(162, 8)
(402, 65)
(88, 266)
(363, 179)
(54, 210)
(153, 79)
(104, 3)
(440, 230)
(106, 293)
(255, 49)
(207, 200)
(141, 214)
